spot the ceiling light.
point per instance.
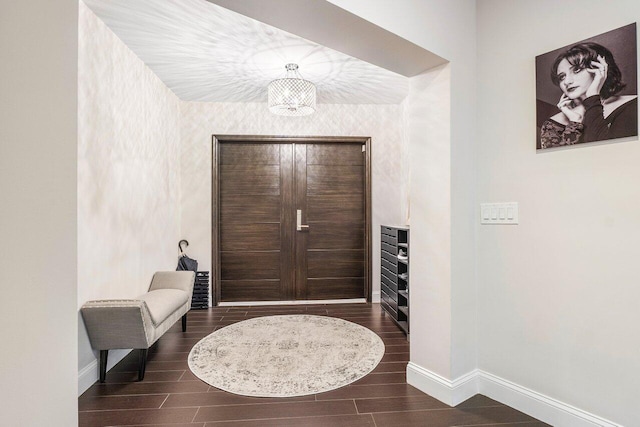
(292, 95)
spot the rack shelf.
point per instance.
(394, 280)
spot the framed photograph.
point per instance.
(587, 91)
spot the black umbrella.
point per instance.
(184, 262)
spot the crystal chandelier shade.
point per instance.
(292, 95)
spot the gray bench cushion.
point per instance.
(163, 302)
(138, 323)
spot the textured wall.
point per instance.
(128, 170)
(199, 121)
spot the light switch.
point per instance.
(510, 213)
(486, 212)
(499, 213)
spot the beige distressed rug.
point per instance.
(284, 356)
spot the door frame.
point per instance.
(256, 139)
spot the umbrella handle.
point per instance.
(180, 245)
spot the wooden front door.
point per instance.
(263, 252)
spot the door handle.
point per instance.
(299, 225)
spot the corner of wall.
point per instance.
(89, 375)
(544, 408)
(447, 391)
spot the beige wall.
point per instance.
(428, 111)
(38, 188)
(128, 174)
(447, 28)
(199, 121)
(558, 294)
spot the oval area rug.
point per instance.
(285, 356)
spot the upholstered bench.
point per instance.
(138, 323)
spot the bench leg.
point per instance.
(103, 364)
(142, 363)
(184, 323)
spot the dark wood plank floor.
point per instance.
(171, 395)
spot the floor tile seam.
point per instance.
(119, 410)
(405, 397)
(353, 401)
(147, 380)
(296, 402)
(220, 405)
(302, 417)
(169, 352)
(110, 396)
(493, 405)
(498, 424)
(150, 381)
(195, 322)
(433, 409)
(354, 398)
(149, 370)
(205, 321)
(116, 396)
(148, 394)
(378, 373)
(419, 396)
(442, 409)
(92, 411)
(193, 420)
(164, 401)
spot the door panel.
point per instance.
(330, 192)
(326, 235)
(262, 256)
(250, 265)
(247, 208)
(259, 237)
(251, 154)
(247, 290)
(253, 179)
(334, 208)
(254, 193)
(334, 180)
(348, 287)
(335, 264)
(333, 154)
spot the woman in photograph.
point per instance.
(590, 109)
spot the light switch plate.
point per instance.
(499, 213)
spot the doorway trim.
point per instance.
(215, 197)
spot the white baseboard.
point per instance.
(537, 405)
(544, 408)
(450, 392)
(375, 296)
(88, 375)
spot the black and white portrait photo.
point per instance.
(587, 91)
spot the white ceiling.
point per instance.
(204, 52)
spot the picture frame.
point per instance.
(587, 91)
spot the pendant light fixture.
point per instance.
(292, 95)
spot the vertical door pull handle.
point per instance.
(299, 225)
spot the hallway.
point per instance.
(170, 395)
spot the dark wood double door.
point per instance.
(291, 221)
